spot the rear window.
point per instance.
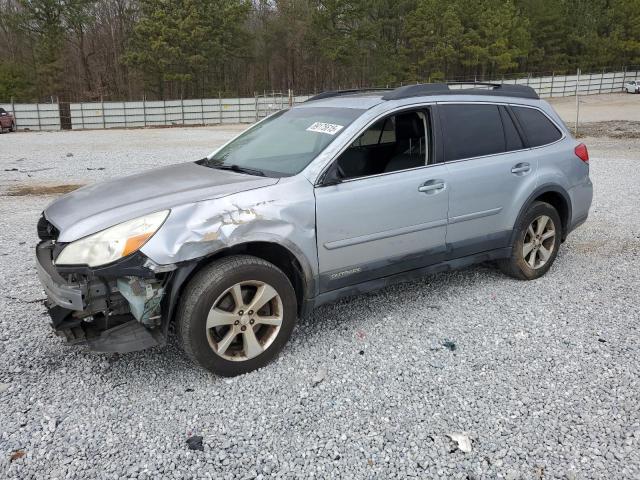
(538, 129)
(471, 131)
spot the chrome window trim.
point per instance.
(384, 174)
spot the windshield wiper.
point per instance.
(238, 168)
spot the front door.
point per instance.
(389, 212)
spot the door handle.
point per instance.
(522, 168)
(432, 187)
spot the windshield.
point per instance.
(285, 143)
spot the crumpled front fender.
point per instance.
(283, 214)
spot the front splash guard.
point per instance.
(128, 337)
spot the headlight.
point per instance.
(113, 243)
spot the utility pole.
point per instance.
(577, 103)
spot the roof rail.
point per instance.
(496, 89)
(336, 93)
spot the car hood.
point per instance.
(102, 205)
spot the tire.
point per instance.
(12, 128)
(215, 286)
(542, 247)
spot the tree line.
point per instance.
(161, 49)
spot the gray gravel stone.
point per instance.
(529, 381)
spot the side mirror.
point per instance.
(4, 114)
(332, 177)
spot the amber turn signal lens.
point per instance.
(134, 243)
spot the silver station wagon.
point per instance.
(343, 194)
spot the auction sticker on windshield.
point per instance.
(329, 128)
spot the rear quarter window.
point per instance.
(537, 127)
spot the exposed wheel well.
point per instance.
(557, 201)
(273, 253)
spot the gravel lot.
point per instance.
(599, 108)
(542, 376)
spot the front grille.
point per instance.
(46, 231)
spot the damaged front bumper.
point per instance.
(116, 308)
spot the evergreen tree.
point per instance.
(182, 41)
(124, 49)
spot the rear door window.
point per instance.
(471, 130)
(537, 127)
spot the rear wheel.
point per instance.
(12, 128)
(236, 314)
(537, 240)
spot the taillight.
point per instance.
(582, 153)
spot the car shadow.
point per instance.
(170, 362)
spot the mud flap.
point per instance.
(128, 337)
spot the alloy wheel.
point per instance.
(539, 241)
(245, 320)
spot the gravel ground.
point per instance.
(623, 129)
(542, 377)
(599, 108)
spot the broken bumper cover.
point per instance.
(59, 292)
(86, 307)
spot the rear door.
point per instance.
(488, 166)
(389, 212)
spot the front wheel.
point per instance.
(537, 240)
(236, 314)
(12, 128)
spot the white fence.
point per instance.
(568, 85)
(91, 115)
(176, 112)
(77, 116)
(35, 116)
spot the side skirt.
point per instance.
(378, 283)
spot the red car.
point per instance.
(6, 121)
